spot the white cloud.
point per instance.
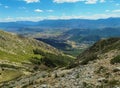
(0, 4)
(95, 16)
(29, 18)
(6, 7)
(91, 1)
(31, 1)
(116, 11)
(11, 19)
(117, 4)
(73, 1)
(50, 10)
(7, 19)
(67, 1)
(107, 10)
(38, 10)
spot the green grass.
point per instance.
(115, 60)
(8, 75)
(52, 60)
(74, 52)
(19, 49)
(16, 58)
(88, 58)
(15, 48)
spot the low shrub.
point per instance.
(51, 60)
(115, 60)
(89, 58)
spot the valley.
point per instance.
(71, 36)
(69, 55)
(59, 43)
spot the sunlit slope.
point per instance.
(17, 48)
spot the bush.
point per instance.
(101, 69)
(35, 60)
(88, 85)
(48, 62)
(52, 60)
(8, 66)
(38, 51)
(89, 58)
(77, 76)
(112, 83)
(72, 64)
(115, 60)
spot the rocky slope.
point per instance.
(98, 72)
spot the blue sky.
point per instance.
(35, 10)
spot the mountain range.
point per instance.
(69, 24)
(60, 54)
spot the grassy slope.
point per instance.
(18, 51)
(17, 48)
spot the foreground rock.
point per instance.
(98, 72)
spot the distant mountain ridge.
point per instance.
(72, 23)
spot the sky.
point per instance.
(35, 10)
